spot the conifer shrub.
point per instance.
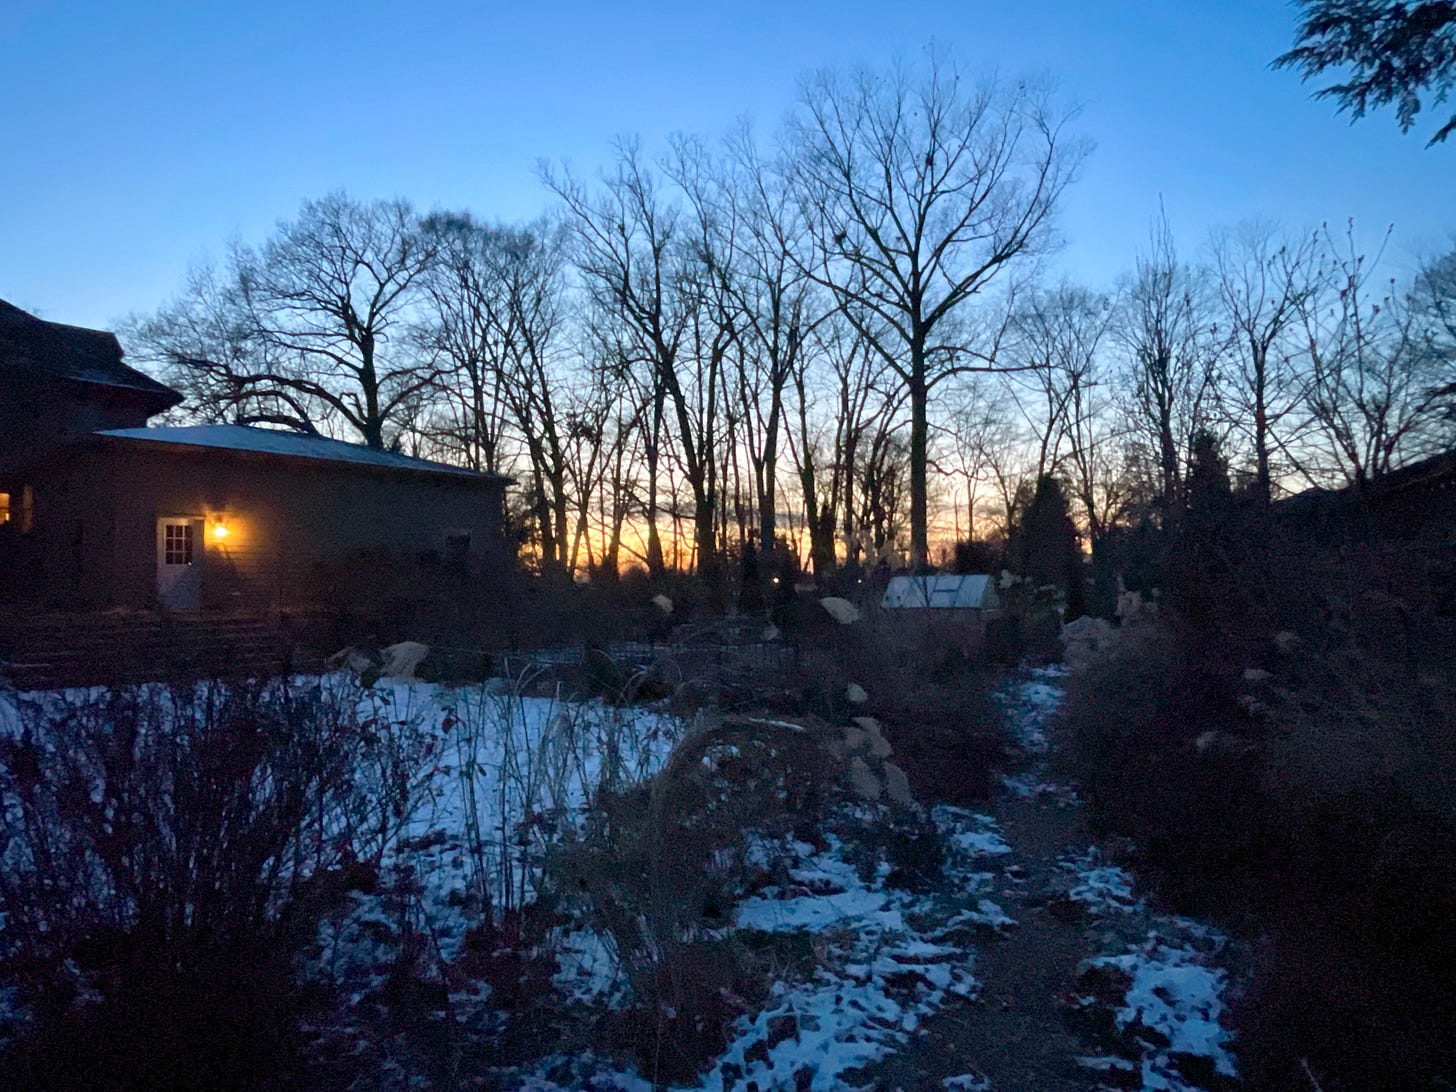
(1307, 806)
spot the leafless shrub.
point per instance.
(156, 842)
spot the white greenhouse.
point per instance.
(948, 591)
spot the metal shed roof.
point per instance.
(942, 590)
(270, 441)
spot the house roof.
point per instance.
(73, 353)
(949, 590)
(294, 445)
(1427, 476)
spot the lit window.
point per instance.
(4, 507)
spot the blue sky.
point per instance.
(144, 135)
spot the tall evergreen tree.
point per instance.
(1045, 546)
(1200, 571)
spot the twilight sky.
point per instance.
(143, 135)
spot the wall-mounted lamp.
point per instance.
(219, 530)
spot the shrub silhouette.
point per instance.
(160, 841)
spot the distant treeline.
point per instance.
(839, 337)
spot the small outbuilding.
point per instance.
(97, 510)
(943, 591)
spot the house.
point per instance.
(98, 510)
(943, 591)
(1414, 501)
(58, 383)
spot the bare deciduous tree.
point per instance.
(980, 429)
(1166, 331)
(919, 191)
(203, 344)
(1376, 373)
(327, 294)
(464, 316)
(1434, 298)
(1053, 343)
(839, 407)
(780, 311)
(709, 279)
(1264, 283)
(307, 331)
(628, 248)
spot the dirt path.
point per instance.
(1070, 906)
(1015, 1034)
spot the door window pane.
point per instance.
(177, 544)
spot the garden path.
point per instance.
(1025, 1029)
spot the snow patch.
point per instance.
(878, 980)
(1099, 886)
(1029, 701)
(1174, 1002)
(969, 832)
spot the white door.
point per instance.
(179, 563)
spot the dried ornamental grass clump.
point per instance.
(660, 867)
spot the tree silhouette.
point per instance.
(1395, 52)
(1045, 547)
(919, 191)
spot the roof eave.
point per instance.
(214, 450)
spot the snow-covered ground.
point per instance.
(510, 773)
(501, 776)
(881, 977)
(888, 959)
